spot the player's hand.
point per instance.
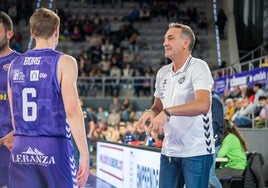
(83, 171)
(157, 123)
(7, 140)
(145, 119)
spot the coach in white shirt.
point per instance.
(182, 110)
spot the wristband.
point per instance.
(167, 113)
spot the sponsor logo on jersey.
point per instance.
(35, 75)
(3, 96)
(6, 66)
(18, 75)
(33, 156)
(32, 61)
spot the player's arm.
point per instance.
(200, 105)
(67, 76)
(9, 138)
(148, 115)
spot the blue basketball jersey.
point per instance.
(5, 117)
(37, 102)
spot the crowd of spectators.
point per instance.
(110, 46)
(244, 106)
(118, 123)
(247, 106)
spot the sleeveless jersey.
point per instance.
(5, 117)
(37, 102)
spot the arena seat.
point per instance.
(253, 176)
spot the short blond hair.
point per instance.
(44, 22)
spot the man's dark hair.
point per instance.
(6, 21)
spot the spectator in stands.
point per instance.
(112, 134)
(114, 118)
(157, 140)
(100, 129)
(138, 82)
(147, 82)
(127, 73)
(96, 23)
(128, 56)
(202, 22)
(134, 42)
(64, 32)
(115, 26)
(234, 147)
(76, 34)
(125, 44)
(221, 20)
(173, 13)
(105, 66)
(102, 114)
(236, 93)
(250, 94)
(93, 86)
(239, 104)
(262, 117)
(95, 48)
(83, 85)
(229, 108)
(118, 56)
(87, 27)
(107, 49)
(145, 13)
(130, 134)
(122, 131)
(126, 109)
(192, 14)
(106, 27)
(134, 14)
(115, 62)
(116, 104)
(257, 88)
(155, 9)
(227, 94)
(139, 64)
(83, 66)
(243, 117)
(115, 74)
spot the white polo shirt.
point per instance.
(185, 136)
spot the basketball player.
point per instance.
(46, 110)
(6, 129)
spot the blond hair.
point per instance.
(44, 22)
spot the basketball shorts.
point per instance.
(41, 162)
(4, 162)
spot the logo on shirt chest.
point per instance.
(35, 75)
(182, 79)
(6, 67)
